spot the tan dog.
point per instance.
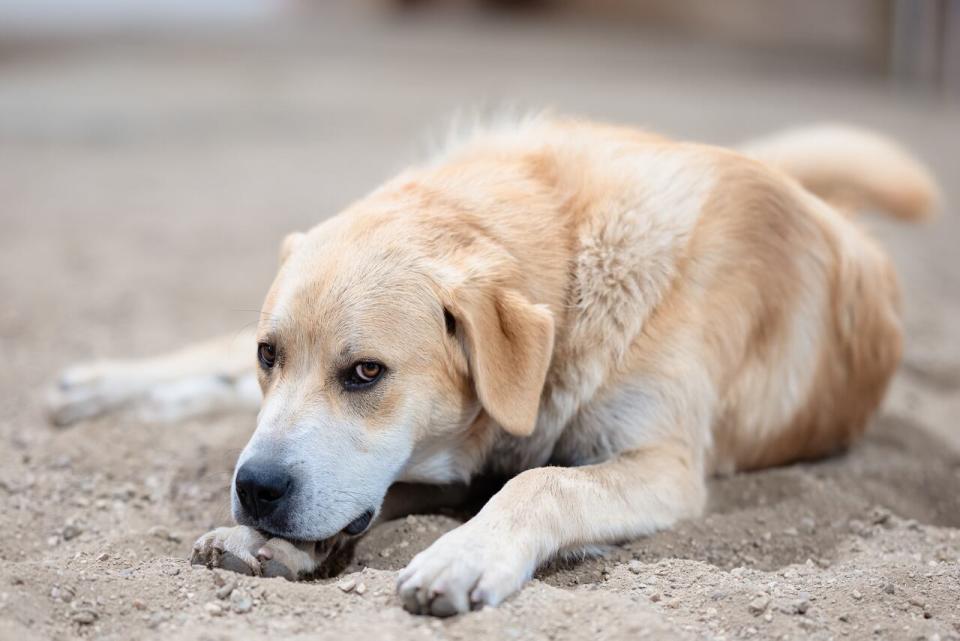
(605, 315)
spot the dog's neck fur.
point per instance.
(560, 179)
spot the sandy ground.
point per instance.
(144, 187)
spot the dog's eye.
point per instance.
(368, 372)
(363, 374)
(267, 355)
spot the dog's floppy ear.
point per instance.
(290, 244)
(509, 343)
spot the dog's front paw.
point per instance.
(230, 548)
(245, 550)
(465, 569)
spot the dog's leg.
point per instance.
(215, 375)
(545, 510)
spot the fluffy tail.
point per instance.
(852, 168)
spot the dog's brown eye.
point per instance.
(362, 375)
(267, 355)
(368, 372)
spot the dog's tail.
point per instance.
(853, 169)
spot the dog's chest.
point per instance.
(597, 431)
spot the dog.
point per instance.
(601, 314)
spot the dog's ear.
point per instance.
(290, 244)
(509, 343)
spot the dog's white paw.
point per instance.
(230, 548)
(245, 550)
(465, 569)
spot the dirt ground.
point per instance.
(145, 184)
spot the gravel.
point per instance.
(240, 601)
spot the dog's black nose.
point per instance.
(261, 487)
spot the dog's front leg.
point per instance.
(545, 510)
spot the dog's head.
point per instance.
(386, 352)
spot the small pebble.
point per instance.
(347, 584)
(889, 588)
(213, 609)
(360, 589)
(759, 605)
(226, 589)
(880, 515)
(70, 531)
(856, 595)
(103, 557)
(240, 602)
(635, 566)
(138, 604)
(62, 593)
(797, 606)
(84, 617)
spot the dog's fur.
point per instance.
(603, 314)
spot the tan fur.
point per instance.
(852, 168)
(632, 314)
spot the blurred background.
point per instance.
(153, 153)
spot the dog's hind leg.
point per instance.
(215, 375)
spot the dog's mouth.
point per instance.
(355, 527)
(360, 524)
